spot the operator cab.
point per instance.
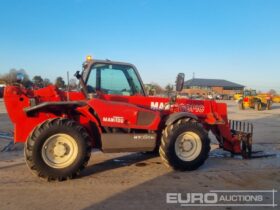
(250, 93)
(115, 78)
(112, 78)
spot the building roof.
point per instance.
(212, 83)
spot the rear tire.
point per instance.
(240, 105)
(184, 147)
(57, 149)
(258, 106)
(268, 105)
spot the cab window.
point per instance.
(114, 79)
(114, 82)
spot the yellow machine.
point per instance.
(276, 99)
(250, 99)
(237, 96)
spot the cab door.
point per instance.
(114, 82)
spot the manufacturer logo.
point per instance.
(195, 108)
(114, 119)
(159, 106)
(224, 198)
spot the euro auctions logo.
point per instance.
(224, 198)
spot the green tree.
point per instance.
(11, 77)
(46, 82)
(272, 92)
(169, 89)
(38, 81)
(153, 89)
(60, 83)
(158, 89)
(73, 84)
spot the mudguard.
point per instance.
(178, 115)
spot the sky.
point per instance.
(236, 40)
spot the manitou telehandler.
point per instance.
(112, 112)
(250, 99)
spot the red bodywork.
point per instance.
(114, 111)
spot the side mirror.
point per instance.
(82, 83)
(180, 82)
(78, 75)
(19, 77)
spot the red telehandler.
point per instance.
(112, 112)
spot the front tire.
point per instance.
(240, 105)
(58, 149)
(268, 105)
(258, 106)
(184, 147)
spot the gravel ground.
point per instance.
(137, 181)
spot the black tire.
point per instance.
(258, 106)
(34, 145)
(240, 105)
(268, 105)
(167, 147)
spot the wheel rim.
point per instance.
(188, 146)
(59, 151)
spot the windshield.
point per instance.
(254, 93)
(114, 79)
(250, 93)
